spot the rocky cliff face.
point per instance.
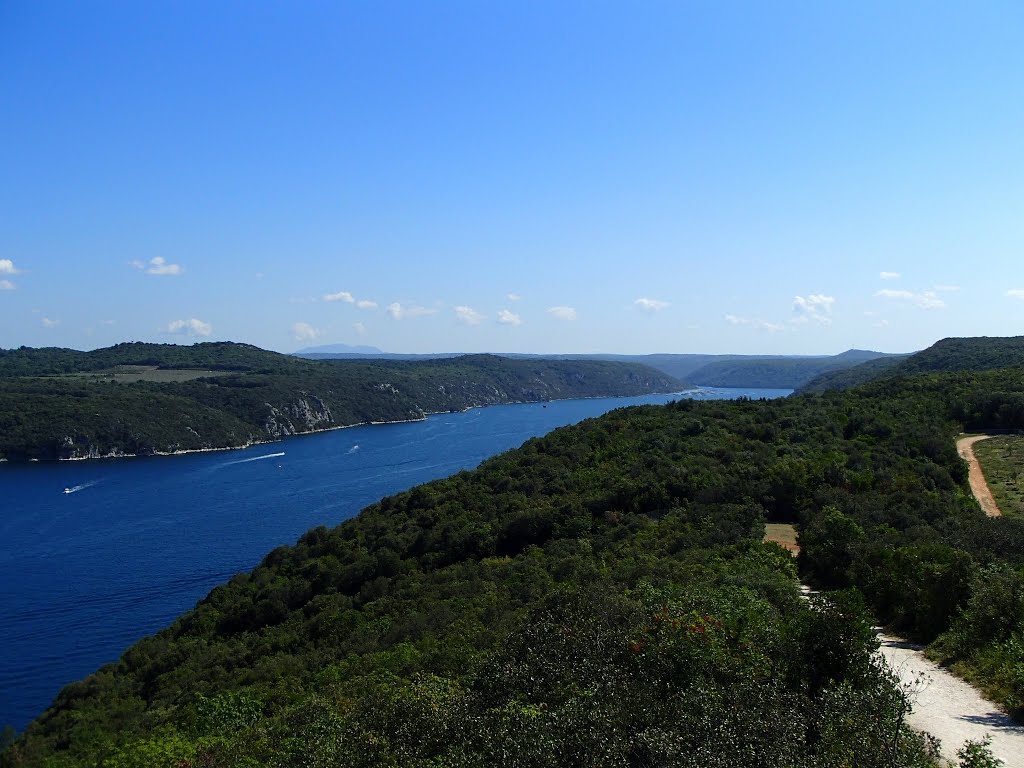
(306, 414)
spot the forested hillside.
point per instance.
(979, 353)
(149, 398)
(782, 372)
(599, 596)
(759, 371)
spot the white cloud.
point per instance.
(7, 267)
(192, 327)
(359, 328)
(889, 275)
(48, 323)
(888, 293)
(562, 313)
(817, 307)
(514, 297)
(366, 304)
(1016, 293)
(468, 315)
(158, 265)
(926, 300)
(505, 317)
(398, 312)
(6, 285)
(763, 325)
(651, 305)
(340, 296)
(304, 332)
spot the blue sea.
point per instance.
(97, 554)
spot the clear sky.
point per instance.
(758, 177)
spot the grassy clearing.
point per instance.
(1002, 461)
(130, 374)
(783, 534)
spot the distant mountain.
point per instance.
(778, 372)
(347, 349)
(974, 354)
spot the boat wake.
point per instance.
(353, 449)
(254, 458)
(82, 487)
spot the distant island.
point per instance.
(145, 399)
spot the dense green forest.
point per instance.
(600, 596)
(58, 403)
(978, 353)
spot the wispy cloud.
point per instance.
(816, 307)
(1016, 293)
(925, 300)
(7, 267)
(400, 312)
(651, 305)
(763, 325)
(158, 265)
(468, 315)
(48, 323)
(562, 313)
(192, 327)
(947, 288)
(514, 297)
(366, 304)
(304, 331)
(7, 285)
(507, 317)
(359, 328)
(344, 296)
(889, 275)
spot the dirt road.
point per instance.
(979, 487)
(948, 708)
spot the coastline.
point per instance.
(424, 417)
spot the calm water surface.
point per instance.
(137, 542)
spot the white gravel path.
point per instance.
(950, 709)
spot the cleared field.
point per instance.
(129, 374)
(1002, 461)
(783, 534)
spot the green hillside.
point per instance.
(599, 596)
(862, 373)
(756, 371)
(150, 398)
(977, 353)
(780, 372)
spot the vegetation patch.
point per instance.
(1002, 461)
(783, 534)
(133, 374)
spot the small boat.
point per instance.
(67, 490)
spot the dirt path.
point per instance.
(979, 487)
(948, 708)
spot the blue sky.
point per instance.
(526, 176)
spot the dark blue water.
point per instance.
(85, 574)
